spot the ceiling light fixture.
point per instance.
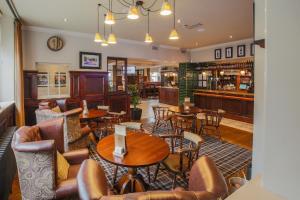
(148, 38)
(166, 8)
(110, 19)
(111, 37)
(133, 12)
(104, 42)
(98, 37)
(174, 35)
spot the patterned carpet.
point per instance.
(229, 158)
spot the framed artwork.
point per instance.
(42, 79)
(252, 49)
(88, 60)
(228, 52)
(241, 50)
(218, 54)
(60, 79)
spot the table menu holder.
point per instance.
(120, 141)
(85, 108)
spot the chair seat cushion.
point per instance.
(173, 162)
(62, 168)
(56, 109)
(67, 188)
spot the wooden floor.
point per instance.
(229, 134)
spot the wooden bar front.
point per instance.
(238, 106)
(168, 95)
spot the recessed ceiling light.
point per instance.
(230, 36)
(178, 21)
(65, 19)
(201, 29)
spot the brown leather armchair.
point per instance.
(75, 137)
(206, 183)
(35, 151)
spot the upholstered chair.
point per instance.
(75, 137)
(206, 183)
(35, 149)
(180, 160)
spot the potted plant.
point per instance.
(133, 91)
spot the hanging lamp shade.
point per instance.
(104, 43)
(98, 38)
(133, 13)
(174, 35)
(148, 38)
(112, 39)
(166, 8)
(109, 18)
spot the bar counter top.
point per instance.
(225, 92)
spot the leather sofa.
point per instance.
(35, 149)
(205, 183)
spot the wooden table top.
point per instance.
(181, 110)
(142, 150)
(93, 114)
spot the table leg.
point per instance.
(131, 182)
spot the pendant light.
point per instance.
(174, 35)
(111, 37)
(98, 37)
(133, 12)
(110, 19)
(104, 42)
(148, 38)
(166, 8)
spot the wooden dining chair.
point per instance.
(211, 122)
(181, 159)
(162, 116)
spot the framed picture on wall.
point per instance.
(88, 60)
(60, 79)
(241, 50)
(252, 49)
(228, 52)
(42, 79)
(218, 54)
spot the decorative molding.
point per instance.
(88, 35)
(233, 43)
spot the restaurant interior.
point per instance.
(156, 99)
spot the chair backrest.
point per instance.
(72, 128)
(161, 112)
(213, 118)
(205, 175)
(183, 123)
(36, 159)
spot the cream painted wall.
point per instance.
(36, 50)
(7, 72)
(208, 53)
(276, 133)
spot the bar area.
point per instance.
(226, 85)
(168, 92)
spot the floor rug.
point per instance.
(229, 158)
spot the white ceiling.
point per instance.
(220, 19)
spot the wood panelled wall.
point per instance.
(91, 86)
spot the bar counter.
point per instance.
(168, 95)
(238, 105)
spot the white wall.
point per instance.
(208, 53)
(7, 59)
(36, 50)
(278, 135)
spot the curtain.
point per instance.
(19, 83)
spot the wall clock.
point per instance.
(55, 43)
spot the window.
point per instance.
(53, 81)
(154, 76)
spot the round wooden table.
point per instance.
(180, 110)
(143, 150)
(93, 114)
